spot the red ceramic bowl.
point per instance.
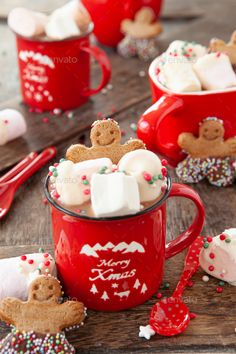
(174, 113)
(117, 263)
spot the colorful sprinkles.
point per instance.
(18, 342)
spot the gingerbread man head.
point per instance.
(211, 129)
(45, 289)
(105, 133)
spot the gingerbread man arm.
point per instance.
(75, 153)
(230, 147)
(9, 310)
(134, 144)
(70, 313)
(187, 142)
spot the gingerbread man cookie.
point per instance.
(140, 35)
(209, 155)
(218, 45)
(105, 137)
(42, 314)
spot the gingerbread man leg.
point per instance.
(192, 170)
(222, 172)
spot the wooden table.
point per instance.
(27, 226)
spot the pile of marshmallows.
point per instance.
(187, 67)
(67, 21)
(114, 190)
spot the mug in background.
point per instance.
(112, 264)
(107, 16)
(174, 113)
(56, 74)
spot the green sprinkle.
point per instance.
(160, 177)
(205, 239)
(155, 177)
(62, 160)
(41, 250)
(52, 168)
(221, 283)
(85, 182)
(166, 285)
(55, 174)
(151, 181)
(206, 245)
(227, 240)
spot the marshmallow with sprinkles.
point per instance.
(218, 256)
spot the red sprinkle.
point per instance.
(159, 295)
(190, 283)
(45, 120)
(192, 315)
(47, 263)
(209, 239)
(164, 162)
(23, 258)
(6, 121)
(163, 188)
(164, 171)
(50, 173)
(46, 255)
(86, 191)
(83, 177)
(56, 164)
(45, 201)
(211, 268)
(211, 255)
(147, 176)
(222, 237)
(218, 54)
(219, 289)
(30, 261)
(55, 194)
(158, 71)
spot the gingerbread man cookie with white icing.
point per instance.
(105, 137)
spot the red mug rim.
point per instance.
(48, 41)
(157, 83)
(89, 218)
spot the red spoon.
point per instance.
(8, 189)
(19, 167)
(171, 316)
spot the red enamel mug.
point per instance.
(107, 16)
(56, 74)
(174, 113)
(112, 264)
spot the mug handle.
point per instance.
(186, 238)
(105, 66)
(151, 120)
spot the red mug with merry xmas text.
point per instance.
(56, 74)
(107, 16)
(112, 264)
(174, 113)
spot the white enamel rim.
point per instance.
(153, 77)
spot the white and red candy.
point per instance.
(12, 125)
(218, 256)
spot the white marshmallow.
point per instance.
(12, 125)
(27, 23)
(76, 11)
(60, 26)
(224, 257)
(215, 72)
(69, 182)
(180, 48)
(180, 77)
(137, 163)
(16, 275)
(114, 194)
